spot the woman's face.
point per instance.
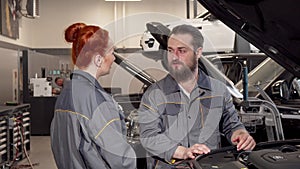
(108, 59)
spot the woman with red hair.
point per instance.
(88, 129)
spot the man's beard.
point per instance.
(185, 73)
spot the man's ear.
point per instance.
(98, 60)
(199, 52)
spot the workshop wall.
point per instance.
(9, 71)
(125, 20)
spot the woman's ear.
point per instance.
(98, 60)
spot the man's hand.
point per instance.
(243, 140)
(191, 152)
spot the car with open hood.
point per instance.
(272, 27)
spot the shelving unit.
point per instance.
(3, 140)
(14, 134)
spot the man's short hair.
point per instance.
(189, 29)
(56, 79)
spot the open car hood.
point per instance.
(134, 70)
(271, 26)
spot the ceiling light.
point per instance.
(123, 0)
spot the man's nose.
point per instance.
(175, 55)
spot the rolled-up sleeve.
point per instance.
(153, 136)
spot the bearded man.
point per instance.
(184, 114)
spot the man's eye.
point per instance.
(182, 51)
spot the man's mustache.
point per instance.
(176, 62)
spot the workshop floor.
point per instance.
(40, 154)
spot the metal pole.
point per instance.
(195, 8)
(188, 9)
(245, 81)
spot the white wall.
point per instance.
(36, 61)
(125, 20)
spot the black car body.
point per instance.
(271, 26)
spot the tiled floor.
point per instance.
(40, 154)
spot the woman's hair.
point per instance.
(87, 41)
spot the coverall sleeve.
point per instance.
(231, 121)
(152, 129)
(105, 129)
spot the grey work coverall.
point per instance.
(88, 131)
(168, 118)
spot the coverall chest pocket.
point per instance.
(211, 109)
(212, 102)
(170, 113)
(171, 121)
(170, 109)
